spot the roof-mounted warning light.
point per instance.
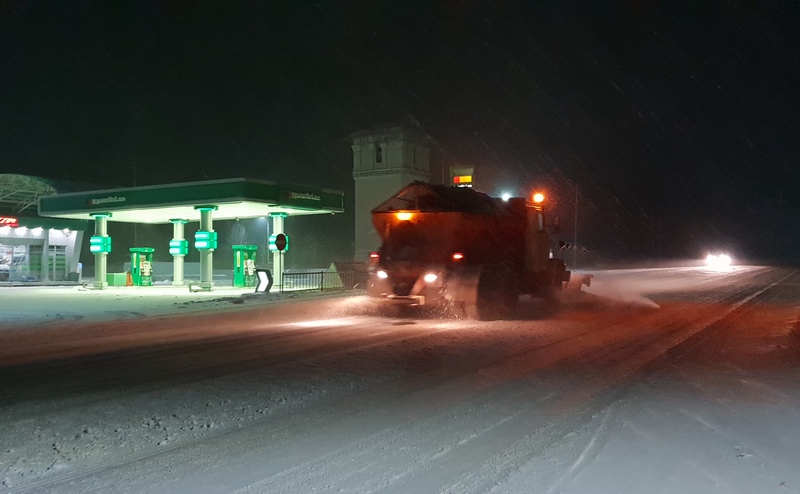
(404, 215)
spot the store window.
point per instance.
(15, 262)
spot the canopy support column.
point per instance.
(179, 252)
(206, 253)
(101, 255)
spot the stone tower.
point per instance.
(385, 159)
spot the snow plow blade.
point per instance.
(577, 281)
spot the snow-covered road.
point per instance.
(671, 380)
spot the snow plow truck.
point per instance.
(460, 250)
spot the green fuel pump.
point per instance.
(142, 266)
(244, 265)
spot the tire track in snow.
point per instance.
(589, 452)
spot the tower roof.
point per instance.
(387, 130)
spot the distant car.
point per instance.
(5, 272)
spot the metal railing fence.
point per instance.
(322, 281)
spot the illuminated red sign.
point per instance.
(9, 221)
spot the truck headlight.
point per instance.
(430, 277)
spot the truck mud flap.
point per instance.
(485, 293)
(462, 285)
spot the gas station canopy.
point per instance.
(234, 198)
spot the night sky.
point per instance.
(680, 126)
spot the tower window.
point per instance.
(378, 154)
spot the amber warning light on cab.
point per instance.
(404, 215)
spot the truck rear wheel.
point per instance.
(510, 295)
(497, 297)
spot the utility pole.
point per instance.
(575, 233)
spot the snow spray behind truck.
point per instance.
(462, 250)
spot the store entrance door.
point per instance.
(57, 263)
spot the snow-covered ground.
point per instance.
(37, 305)
(348, 402)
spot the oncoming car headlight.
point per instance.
(719, 262)
(382, 274)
